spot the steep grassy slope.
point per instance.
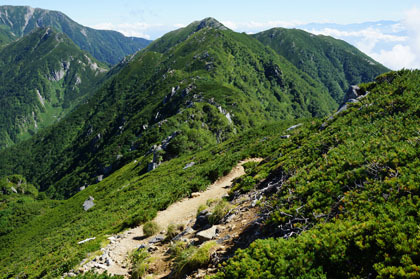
(42, 76)
(333, 62)
(202, 89)
(348, 197)
(45, 246)
(106, 46)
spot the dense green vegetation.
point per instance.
(196, 102)
(106, 46)
(202, 90)
(42, 77)
(334, 63)
(350, 201)
(46, 245)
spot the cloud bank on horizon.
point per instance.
(395, 44)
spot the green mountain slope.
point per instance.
(42, 77)
(349, 193)
(44, 245)
(202, 89)
(347, 204)
(333, 62)
(106, 46)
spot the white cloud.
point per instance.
(366, 39)
(398, 57)
(136, 29)
(412, 23)
(256, 26)
(403, 51)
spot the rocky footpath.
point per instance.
(238, 225)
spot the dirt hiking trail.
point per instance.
(181, 212)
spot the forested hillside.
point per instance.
(195, 92)
(347, 198)
(334, 63)
(42, 77)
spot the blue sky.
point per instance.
(174, 13)
(395, 44)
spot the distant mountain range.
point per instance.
(106, 46)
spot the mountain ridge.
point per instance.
(333, 62)
(215, 81)
(106, 46)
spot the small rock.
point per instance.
(156, 239)
(189, 165)
(152, 248)
(101, 266)
(294, 127)
(202, 220)
(143, 246)
(207, 234)
(195, 195)
(223, 239)
(88, 204)
(86, 240)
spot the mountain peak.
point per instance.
(211, 23)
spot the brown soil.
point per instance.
(181, 212)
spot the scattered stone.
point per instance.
(88, 204)
(99, 266)
(223, 239)
(202, 220)
(285, 136)
(195, 195)
(152, 248)
(82, 188)
(189, 165)
(143, 246)
(108, 261)
(86, 240)
(294, 127)
(207, 235)
(157, 239)
(100, 178)
(229, 218)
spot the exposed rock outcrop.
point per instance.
(88, 204)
